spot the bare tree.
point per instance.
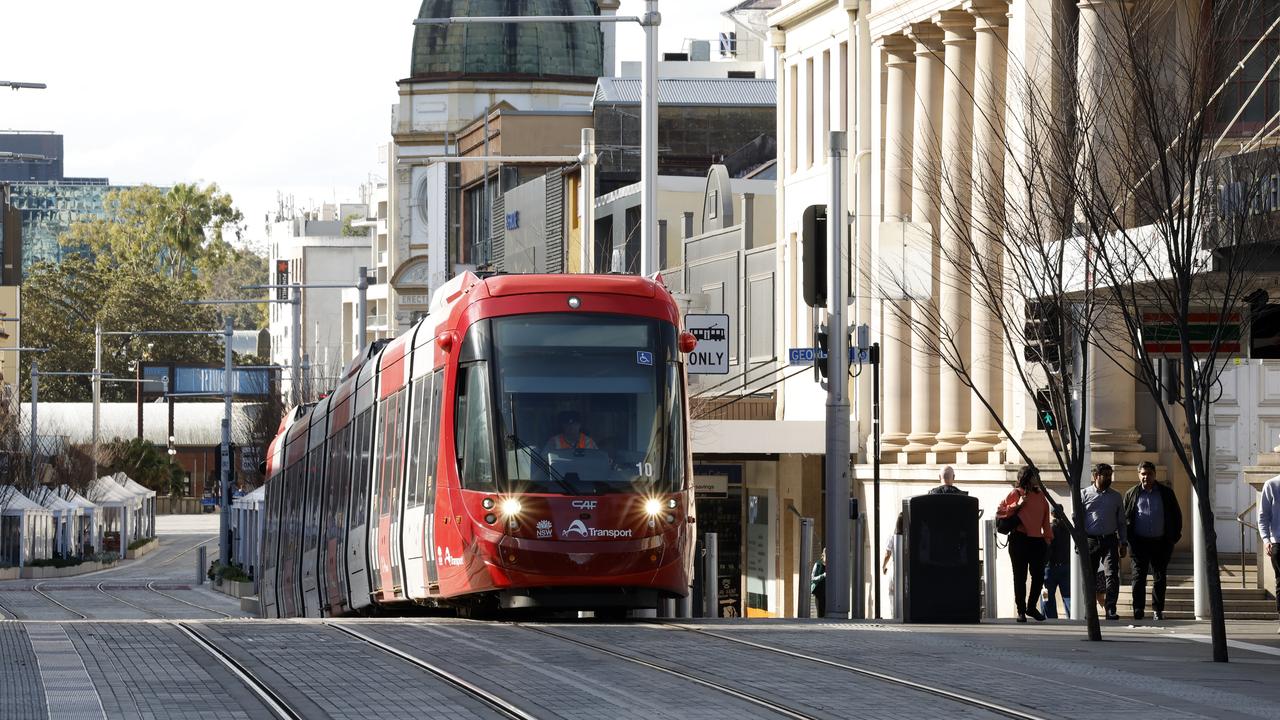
(1180, 218)
(1115, 212)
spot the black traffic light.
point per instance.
(1043, 333)
(820, 344)
(813, 255)
(1045, 418)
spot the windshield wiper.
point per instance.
(544, 465)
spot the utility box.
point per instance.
(941, 575)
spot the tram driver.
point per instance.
(570, 436)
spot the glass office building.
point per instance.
(45, 210)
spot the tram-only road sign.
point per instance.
(711, 356)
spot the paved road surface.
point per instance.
(142, 640)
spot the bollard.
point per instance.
(684, 605)
(201, 566)
(667, 608)
(859, 590)
(806, 567)
(899, 576)
(989, 568)
(710, 577)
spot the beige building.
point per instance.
(928, 93)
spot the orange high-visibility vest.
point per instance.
(584, 442)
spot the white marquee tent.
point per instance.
(67, 541)
(146, 524)
(88, 529)
(120, 510)
(26, 528)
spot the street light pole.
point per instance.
(837, 480)
(362, 310)
(295, 345)
(224, 519)
(97, 392)
(649, 143)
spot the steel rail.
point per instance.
(488, 698)
(103, 590)
(269, 697)
(36, 588)
(959, 697)
(150, 586)
(718, 687)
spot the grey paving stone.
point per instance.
(21, 693)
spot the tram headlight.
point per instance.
(652, 507)
(510, 507)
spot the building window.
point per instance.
(1239, 36)
(793, 110)
(826, 97)
(810, 126)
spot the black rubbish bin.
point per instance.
(941, 575)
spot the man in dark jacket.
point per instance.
(1154, 524)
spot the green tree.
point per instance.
(224, 270)
(145, 463)
(166, 231)
(61, 304)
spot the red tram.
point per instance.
(524, 445)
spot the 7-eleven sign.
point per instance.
(1205, 331)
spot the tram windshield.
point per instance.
(587, 404)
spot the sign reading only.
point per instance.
(711, 356)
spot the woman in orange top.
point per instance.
(1028, 543)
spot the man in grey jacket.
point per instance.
(1269, 526)
(1104, 523)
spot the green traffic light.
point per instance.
(1046, 419)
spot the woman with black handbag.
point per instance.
(1029, 540)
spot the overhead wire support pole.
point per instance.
(224, 519)
(97, 392)
(649, 22)
(836, 472)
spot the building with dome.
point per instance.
(461, 75)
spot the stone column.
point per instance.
(953, 296)
(1103, 101)
(987, 345)
(924, 212)
(896, 350)
(1112, 393)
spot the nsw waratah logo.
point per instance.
(544, 528)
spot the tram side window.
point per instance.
(676, 470)
(386, 448)
(312, 508)
(360, 474)
(471, 416)
(413, 489)
(433, 435)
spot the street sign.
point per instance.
(806, 355)
(208, 502)
(711, 356)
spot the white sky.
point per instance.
(272, 95)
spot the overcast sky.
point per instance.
(259, 97)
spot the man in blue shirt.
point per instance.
(1104, 523)
(1269, 525)
(1154, 523)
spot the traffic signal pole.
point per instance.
(836, 471)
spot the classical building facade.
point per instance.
(932, 95)
(459, 74)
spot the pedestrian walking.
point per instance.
(1104, 523)
(818, 584)
(1269, 526)
(948, 487)
(1153, 522)
(1027, 543)
(1057, 571)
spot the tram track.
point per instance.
(151, 587)
(272, 700)
(752, 698)
(491, 700)
(958, 697)
(36, 589)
